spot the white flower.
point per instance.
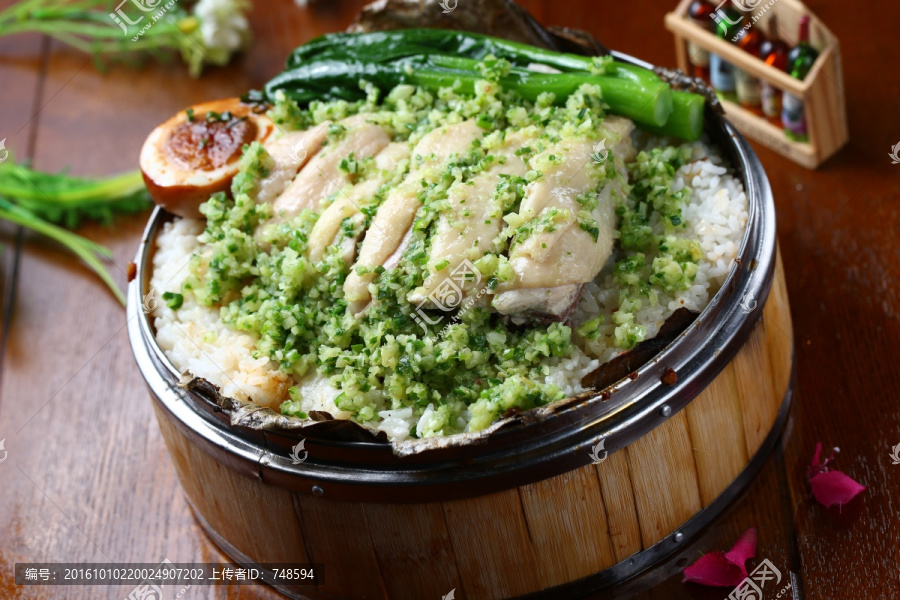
(213, 32)
(223, 26)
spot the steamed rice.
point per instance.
(195, 338)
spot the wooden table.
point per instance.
(88, 479)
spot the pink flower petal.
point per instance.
(834, 487)
(830, 487)
(724, 569)
(744, 549)
(817, 455)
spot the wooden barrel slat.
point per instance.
(491, 541)
(758, 399)
(268, 509)
(241, 509)
(664, 475)
(337, 536)
(572, 503)
(391, 527)
(779, 330)
(716, 427)
(618, 499)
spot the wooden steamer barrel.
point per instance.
(538, 509)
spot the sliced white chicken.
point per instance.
(387, 236)
(322, 175)
(290, 153)
(327, 230)
(541, 304)
(327, 227)
(556, 193)
(467, 229)
(393, 261)
(559, 253)
(617, 134)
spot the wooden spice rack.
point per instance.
(822, 90)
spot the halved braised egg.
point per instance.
(195, 153)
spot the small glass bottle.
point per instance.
(749, 88)
(800, 60)
(700, 13)
(721, 72)
(773, 51)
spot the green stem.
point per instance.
(24, 185)
(72, 13)
(686, 121)
(651, 105)
(87, 27)
(81, 247)
(112, 38)
(56, 25)
(338, 79)
(21, 8)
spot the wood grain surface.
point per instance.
(87, 478)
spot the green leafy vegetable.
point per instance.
(85, 249)
(48, 202)
(209, 33)
(66, 200)
(337, 80)
(331, 67)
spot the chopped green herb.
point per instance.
(173, 300)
